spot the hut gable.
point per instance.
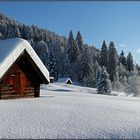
(65, 80)
(22, 71)
(12, 49)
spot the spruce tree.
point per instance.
(72, 48)
(117, 85)
(52, 66)
(66, 67)
(104, 55)
(79, 40)
(84, 68)
(122, 59)
(133, 84)
(129, 62)
(112, 61)
(98, 72)
(104, 84)
(16, 31)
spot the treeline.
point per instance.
(119, 70)
(70, 57)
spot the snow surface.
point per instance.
(11, 49)
(68, 111)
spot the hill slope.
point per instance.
(67, 111)
(52, 50)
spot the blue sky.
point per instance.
(97, 21)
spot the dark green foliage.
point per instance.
(122, 59)
(112, 62)
(84, 69)
(98, 72)
(104, 55)
(66, 70)
(72, 48)
(79, 40)
(130, 65)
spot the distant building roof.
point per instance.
(12, 49)
(65, 80)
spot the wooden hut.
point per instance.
(51, 79)
(21, 70)
(65, 80)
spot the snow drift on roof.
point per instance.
(11, 49)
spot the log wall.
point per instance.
(16, 84)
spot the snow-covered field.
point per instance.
(68, 111)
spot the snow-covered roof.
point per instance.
(11, 49)
(64, 80)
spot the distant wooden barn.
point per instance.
(21, 70)
(65, 80)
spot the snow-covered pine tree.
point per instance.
(84, 68)
(121, 70)
(136, 68)
(85, 71)
(9, 33)
(133, 84)
(112, 61)
(72, 48)
(104, 84)
(79, 40)
(117, 85)
(122, 59)
(41, 49)
(66, 70)
(103, 60)
(16, 31)
(129, 62)
(124, 81)
(98, 72)
(52, 66)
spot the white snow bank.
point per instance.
(68, 111)
(117, 93)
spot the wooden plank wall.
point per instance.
(16, 84)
